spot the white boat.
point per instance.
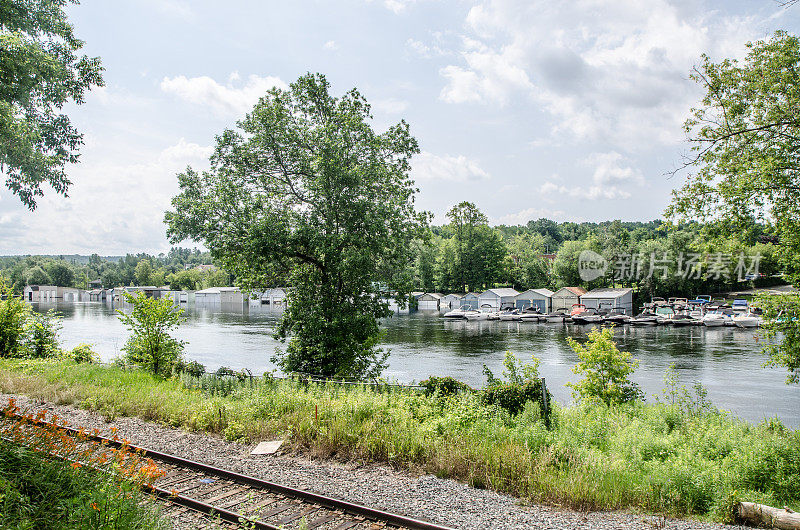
(474, 314)
(714, 319)
(556, 317)
(664, 314)
(747, 320)
(456, 313)
(531, 317)
(509, 314)
(644, 318)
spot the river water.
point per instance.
(728, 362)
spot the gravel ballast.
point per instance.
(443, 501)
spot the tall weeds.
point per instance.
(664, 457)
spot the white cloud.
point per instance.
(603, 69)
(113, 207)
(330, 46)
(232, 99)
(611, 168)
(390, 105)
(184, 153)
(522, 217)
(427, 166)
(175, 8)
(398, 6)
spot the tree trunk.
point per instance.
(761, 514)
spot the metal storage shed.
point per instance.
(451, 301)
(429, 301)
(499, 298)
(469, 301)
(540, 298)
(566, 297)
(609, 299)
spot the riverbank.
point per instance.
(664, 459)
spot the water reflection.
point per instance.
(728, 361)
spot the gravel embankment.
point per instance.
(445, 502)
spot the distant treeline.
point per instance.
(655, 257)
(178, 269)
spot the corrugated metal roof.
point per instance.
(606, 293)
(501, 292)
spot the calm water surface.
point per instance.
(727, 361)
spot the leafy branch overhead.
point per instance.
(40, 72)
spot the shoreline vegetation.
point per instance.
(678, 457)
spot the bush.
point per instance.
(522, 384)
(14, 313)
(41, 335)
(192, 368)
(606, 370)
(83, 353)
(444, 386)
(150, 344)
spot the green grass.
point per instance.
(654, 457)
(40, 492)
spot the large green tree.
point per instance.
(306, 188)
(479, 249)
(746, 142)
(40, 71)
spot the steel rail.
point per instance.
(316, 498)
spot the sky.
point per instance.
(571, 111)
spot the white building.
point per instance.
(429, 301)
(225, 297)
(470, 301)
(451, 301)
(566, 297)
(602, 298)
(539, 298)
(499, 298)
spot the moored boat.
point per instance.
(645, 318)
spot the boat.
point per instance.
(589, 316)
(474, 314)
(617, 316)
(683, 319)
(747, 320)
(531, 314)
(459, 313)
(716, 318)
(664, 314)
(509, 314)
(556, 317)
(645, 318)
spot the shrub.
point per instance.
(522, 384)
(150, 344)
(192, 368)
(13, 315)
(83, 353)
(444, 386)
(41, 335)
(606, 370)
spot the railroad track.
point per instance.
(243, 500)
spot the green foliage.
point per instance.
(41, 73)
(192, 368)
(41, 335)
(306, 190)
(61, 273)
(605, 368)
(38, 276)
(150, 322)
(13, 316)
(782, 321)
(83, 353)
(521, 385)
(653, 457)
(745, 134)
(443, 386)
(40, 492)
